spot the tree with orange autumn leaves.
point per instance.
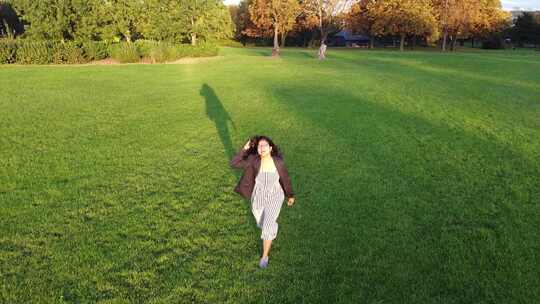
(449, 19)
(329, 15)
(461, 19)
(361, 19)
(277, 16)
(403, 18)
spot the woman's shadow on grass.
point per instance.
(221, 118)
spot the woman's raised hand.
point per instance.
(247, 145)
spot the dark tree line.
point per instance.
(526, 29)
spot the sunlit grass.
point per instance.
(417, 179)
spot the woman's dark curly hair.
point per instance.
(254, 142)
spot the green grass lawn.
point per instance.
(417, 177)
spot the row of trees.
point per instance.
(444, 21)
(434, 20)
(526, 29)
(279, 18)
(92, 20)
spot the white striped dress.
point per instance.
(266, 201)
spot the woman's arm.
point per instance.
(239, 161)
(286, 180)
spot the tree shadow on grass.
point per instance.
(300, 53)
(456, 90)
(401, 209)
(261, 51)
(432, 69)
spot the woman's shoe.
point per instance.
(263, 263)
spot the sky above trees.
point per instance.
(507, 4)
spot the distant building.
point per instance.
(346, 38)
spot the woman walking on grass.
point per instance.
(266, 183)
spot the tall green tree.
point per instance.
(207, 19)
(47, 19)
(87, 21)
(121, 18)
(163, 20)
(174, 20)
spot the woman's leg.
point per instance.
(269, 224)
(266, 247)
(257, 210)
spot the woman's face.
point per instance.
(263, 148)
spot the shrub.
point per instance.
(66, 52)
(8, 50)
(205, 50)
(73, 53)
(163, 52)
(200, 50)
(96, 50)
(34, 52)
(44, 52)
(145, 47)
(125, 52)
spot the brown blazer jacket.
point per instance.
(251, 167)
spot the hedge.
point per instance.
(24, 51)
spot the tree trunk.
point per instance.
(275, 50)
(322, 48)
(193, 35)
(322, 51)
(127, 34)
(372, 42)
(413, 42)
(312, 41)
(454, 43)
(283, 38)
(445, 36)
(402, 42)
